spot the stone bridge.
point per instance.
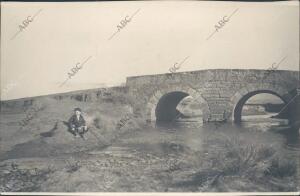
(220, 93)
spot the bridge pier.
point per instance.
(295, 112)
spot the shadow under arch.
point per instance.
(166, 106)
(237, 112)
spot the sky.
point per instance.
(37, 60)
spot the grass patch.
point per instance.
(235, 164)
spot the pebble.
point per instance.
(6, 171)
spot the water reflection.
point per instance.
(277, 127)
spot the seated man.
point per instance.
(77, 123)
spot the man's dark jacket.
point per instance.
(74, 122)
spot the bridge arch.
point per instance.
(241, 97)
(169, 97)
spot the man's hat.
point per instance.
(77, 109)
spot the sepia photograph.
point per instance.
(154, 97)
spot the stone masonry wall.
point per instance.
(221, 89)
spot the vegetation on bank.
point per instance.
(235, 164)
